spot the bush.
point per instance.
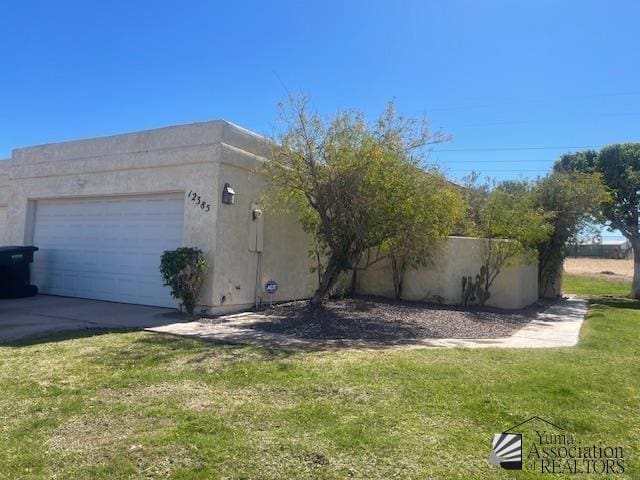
(183, 271)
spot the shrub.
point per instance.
(183, 272)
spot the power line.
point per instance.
(501, 170)
(482, 160)
(591, 116)
(531, 100)
(505, 149)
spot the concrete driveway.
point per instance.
(45, 314)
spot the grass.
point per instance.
(141, 405)
(588, 286)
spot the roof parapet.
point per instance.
(194, 134)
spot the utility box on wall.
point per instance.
(256, 228)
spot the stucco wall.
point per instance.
(4, 200)
(202, 158)
(141, 173)
(198, 157)
(515, 287)
(241, 272)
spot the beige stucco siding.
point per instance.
(242, 272)
(235, 266)
(5, 195)
(3, 225)
(200, 159)
(174, 139)
(196, 158)
(515, 287)
(114, 179)
(286, 258)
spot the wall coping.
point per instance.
(160, 139)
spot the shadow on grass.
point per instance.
(346, 325)
(206, 348)
(268, 350)
(52, 337)
(615, 302)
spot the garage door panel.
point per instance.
(107, 248)
(59, 284)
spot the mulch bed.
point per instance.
(375, 318)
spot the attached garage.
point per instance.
(103, 210)
(107, 248)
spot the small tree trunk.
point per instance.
(398, 269)
(329, 279)
(635, 286)
(354, 282)
(550, 281)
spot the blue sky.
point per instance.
(522, 76)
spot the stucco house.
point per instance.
(103, 210)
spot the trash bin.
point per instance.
(14, 272)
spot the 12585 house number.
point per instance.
(195, 198)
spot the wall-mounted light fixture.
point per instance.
(228, 194)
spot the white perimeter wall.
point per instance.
(515, 287)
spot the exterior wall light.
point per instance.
(228, 195)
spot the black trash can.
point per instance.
(14, 272)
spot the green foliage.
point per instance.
(508, 217)
(585, 161)
(183, 272)
(512, 214)
(619, 167)
(355, 186)
(572, 202)
(476, 193)
(541, 216)
(589, 286)
(426, 209)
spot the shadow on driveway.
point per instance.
(42, 318)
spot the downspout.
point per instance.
(257, 285)
(256, 213)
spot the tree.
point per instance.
(512, 225)
(342, 178)
(431, 209)
(619, 166)
(572, 201)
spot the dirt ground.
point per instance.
(601, 267)
(376, 318)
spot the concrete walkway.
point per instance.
(558, 326)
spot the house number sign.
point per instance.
(195, 198)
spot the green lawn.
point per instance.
(141, 405)
(595, 286)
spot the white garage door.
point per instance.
(106, 248)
